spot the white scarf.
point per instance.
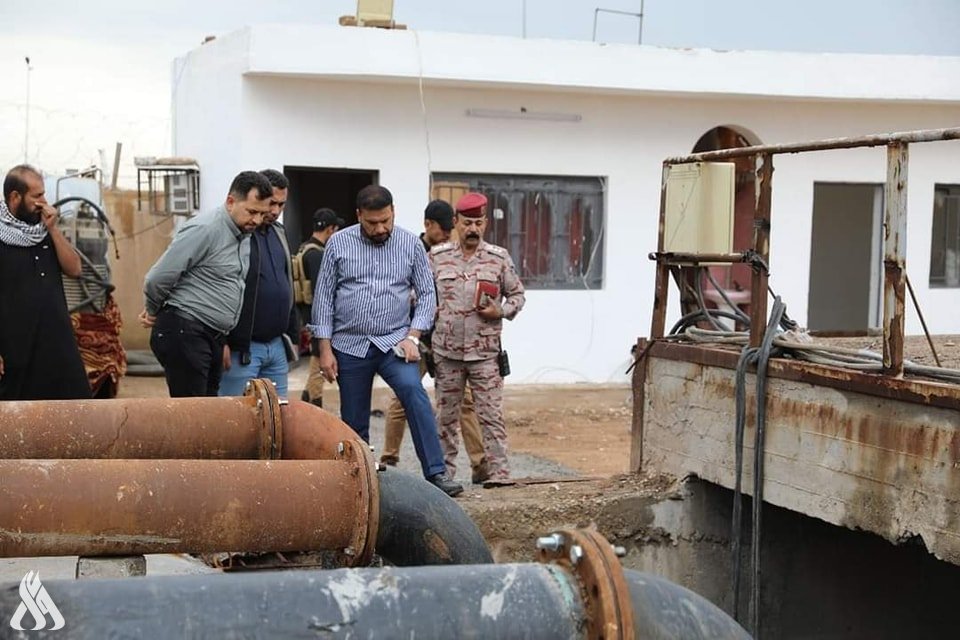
(18, 233)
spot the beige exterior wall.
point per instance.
(141, 239)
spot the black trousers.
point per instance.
(191, 354)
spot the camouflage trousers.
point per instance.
(487, 385)
(313, 389)
(397, 421)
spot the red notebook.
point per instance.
(486, 290)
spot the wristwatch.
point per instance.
(414, 339)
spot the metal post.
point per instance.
(640, 30)
(116, 166)
(26, 126)
(761, 245)
(894, 257)
(662, 286)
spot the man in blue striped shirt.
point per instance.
(362, 318)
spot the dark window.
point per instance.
(551, 225)
(945, 239)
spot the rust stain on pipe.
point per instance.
(125, 507)
(182, 428)
(129, 428)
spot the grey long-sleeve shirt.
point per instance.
(202, 272)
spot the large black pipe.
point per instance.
(531, 601)
(420, 525)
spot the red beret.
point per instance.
(471, 205)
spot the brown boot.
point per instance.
(480, 473)
(306, 398)
(390, 461)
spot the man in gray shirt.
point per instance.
(194, 291)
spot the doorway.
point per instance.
(314, 187)
(845, 274)
(733, 280)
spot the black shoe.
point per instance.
(390, 461)
(497, 483)
(445, 484)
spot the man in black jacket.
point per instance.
(262, 342)
(325, 223)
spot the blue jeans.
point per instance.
(267, 360)
(355, 377)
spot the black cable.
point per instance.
(101, 216)
(699, 314)
(763, 358)
(744, 318)
(698, 292)
(747, 356)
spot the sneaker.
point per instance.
(445, 484)
(390, 461)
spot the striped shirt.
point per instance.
(363, 292)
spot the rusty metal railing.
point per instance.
(894, 237)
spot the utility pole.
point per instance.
(26, 126)
(523, 4)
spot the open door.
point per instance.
(845, 273)
(314, 187)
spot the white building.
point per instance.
(570, 136)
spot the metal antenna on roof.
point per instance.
(638, 16)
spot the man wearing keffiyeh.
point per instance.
(39, 358)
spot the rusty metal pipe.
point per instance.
(125, 507)
(876, 140)
(532, 601)
(184, 428)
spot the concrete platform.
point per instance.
(854, 450)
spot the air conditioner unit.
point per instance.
(179, 192)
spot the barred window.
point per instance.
(551, 225)
(945, 239)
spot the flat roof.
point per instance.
(438, 59)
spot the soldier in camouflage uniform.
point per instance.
(437, 223)
(477, 286)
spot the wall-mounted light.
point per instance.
(523, 114)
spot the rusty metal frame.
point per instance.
(895, 220)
